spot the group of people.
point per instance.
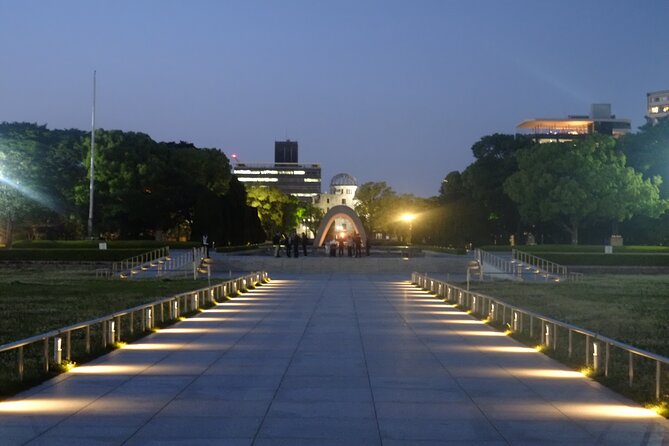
(291, 242)
(352, 244)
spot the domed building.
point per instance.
(342, 192)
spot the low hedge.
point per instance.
(250, 247)
(68, 255)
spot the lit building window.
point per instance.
(257, 180)
(655, 109)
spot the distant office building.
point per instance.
(290, 177)
(285, 151)
(573, 127)
(658, 105)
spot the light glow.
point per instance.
(108, 369)
(546, 373)
(478, 333)
(43, 405)
(603, 411)
(500, 349)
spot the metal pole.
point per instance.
(91, 187)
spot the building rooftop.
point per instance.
(343, 179)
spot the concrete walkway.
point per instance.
(327, 359)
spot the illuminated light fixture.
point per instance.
(587, 371)
(312, 180)
(58, 350)
(149, 318)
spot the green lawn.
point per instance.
(34, 300)
(630, 308)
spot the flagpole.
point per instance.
(91, 187)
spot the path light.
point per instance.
(58, 350)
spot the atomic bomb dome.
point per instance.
(342, 192)
(343, 179)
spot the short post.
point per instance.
(68, 346)
(20, 363)
(57, 350)
(45, 355)
(658, 375)
(112, 332)
(149, 319)
(595, 356)
(88, 339)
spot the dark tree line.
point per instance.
(143, 189)
(580, 191)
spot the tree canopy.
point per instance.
(143, 189)
(572, 182)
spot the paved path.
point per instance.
(329, 360)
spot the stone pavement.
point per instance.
(327, 359)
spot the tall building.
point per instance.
(285, 151)
(600, 121)
(658, 105)
(286, 174)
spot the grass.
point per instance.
(144, 245)
(580, 249)
(35, 300)
(628, 308)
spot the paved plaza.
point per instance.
(327, 359)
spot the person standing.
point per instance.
(296, 244)
(358, 245)
(304, 244)
(276, 241)
(288, 244)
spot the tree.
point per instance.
(38, 169)
(269, 202)
(572, 182)
(375, 205)
(484, 181)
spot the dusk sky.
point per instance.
(394, 91)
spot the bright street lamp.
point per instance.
(409, 218)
